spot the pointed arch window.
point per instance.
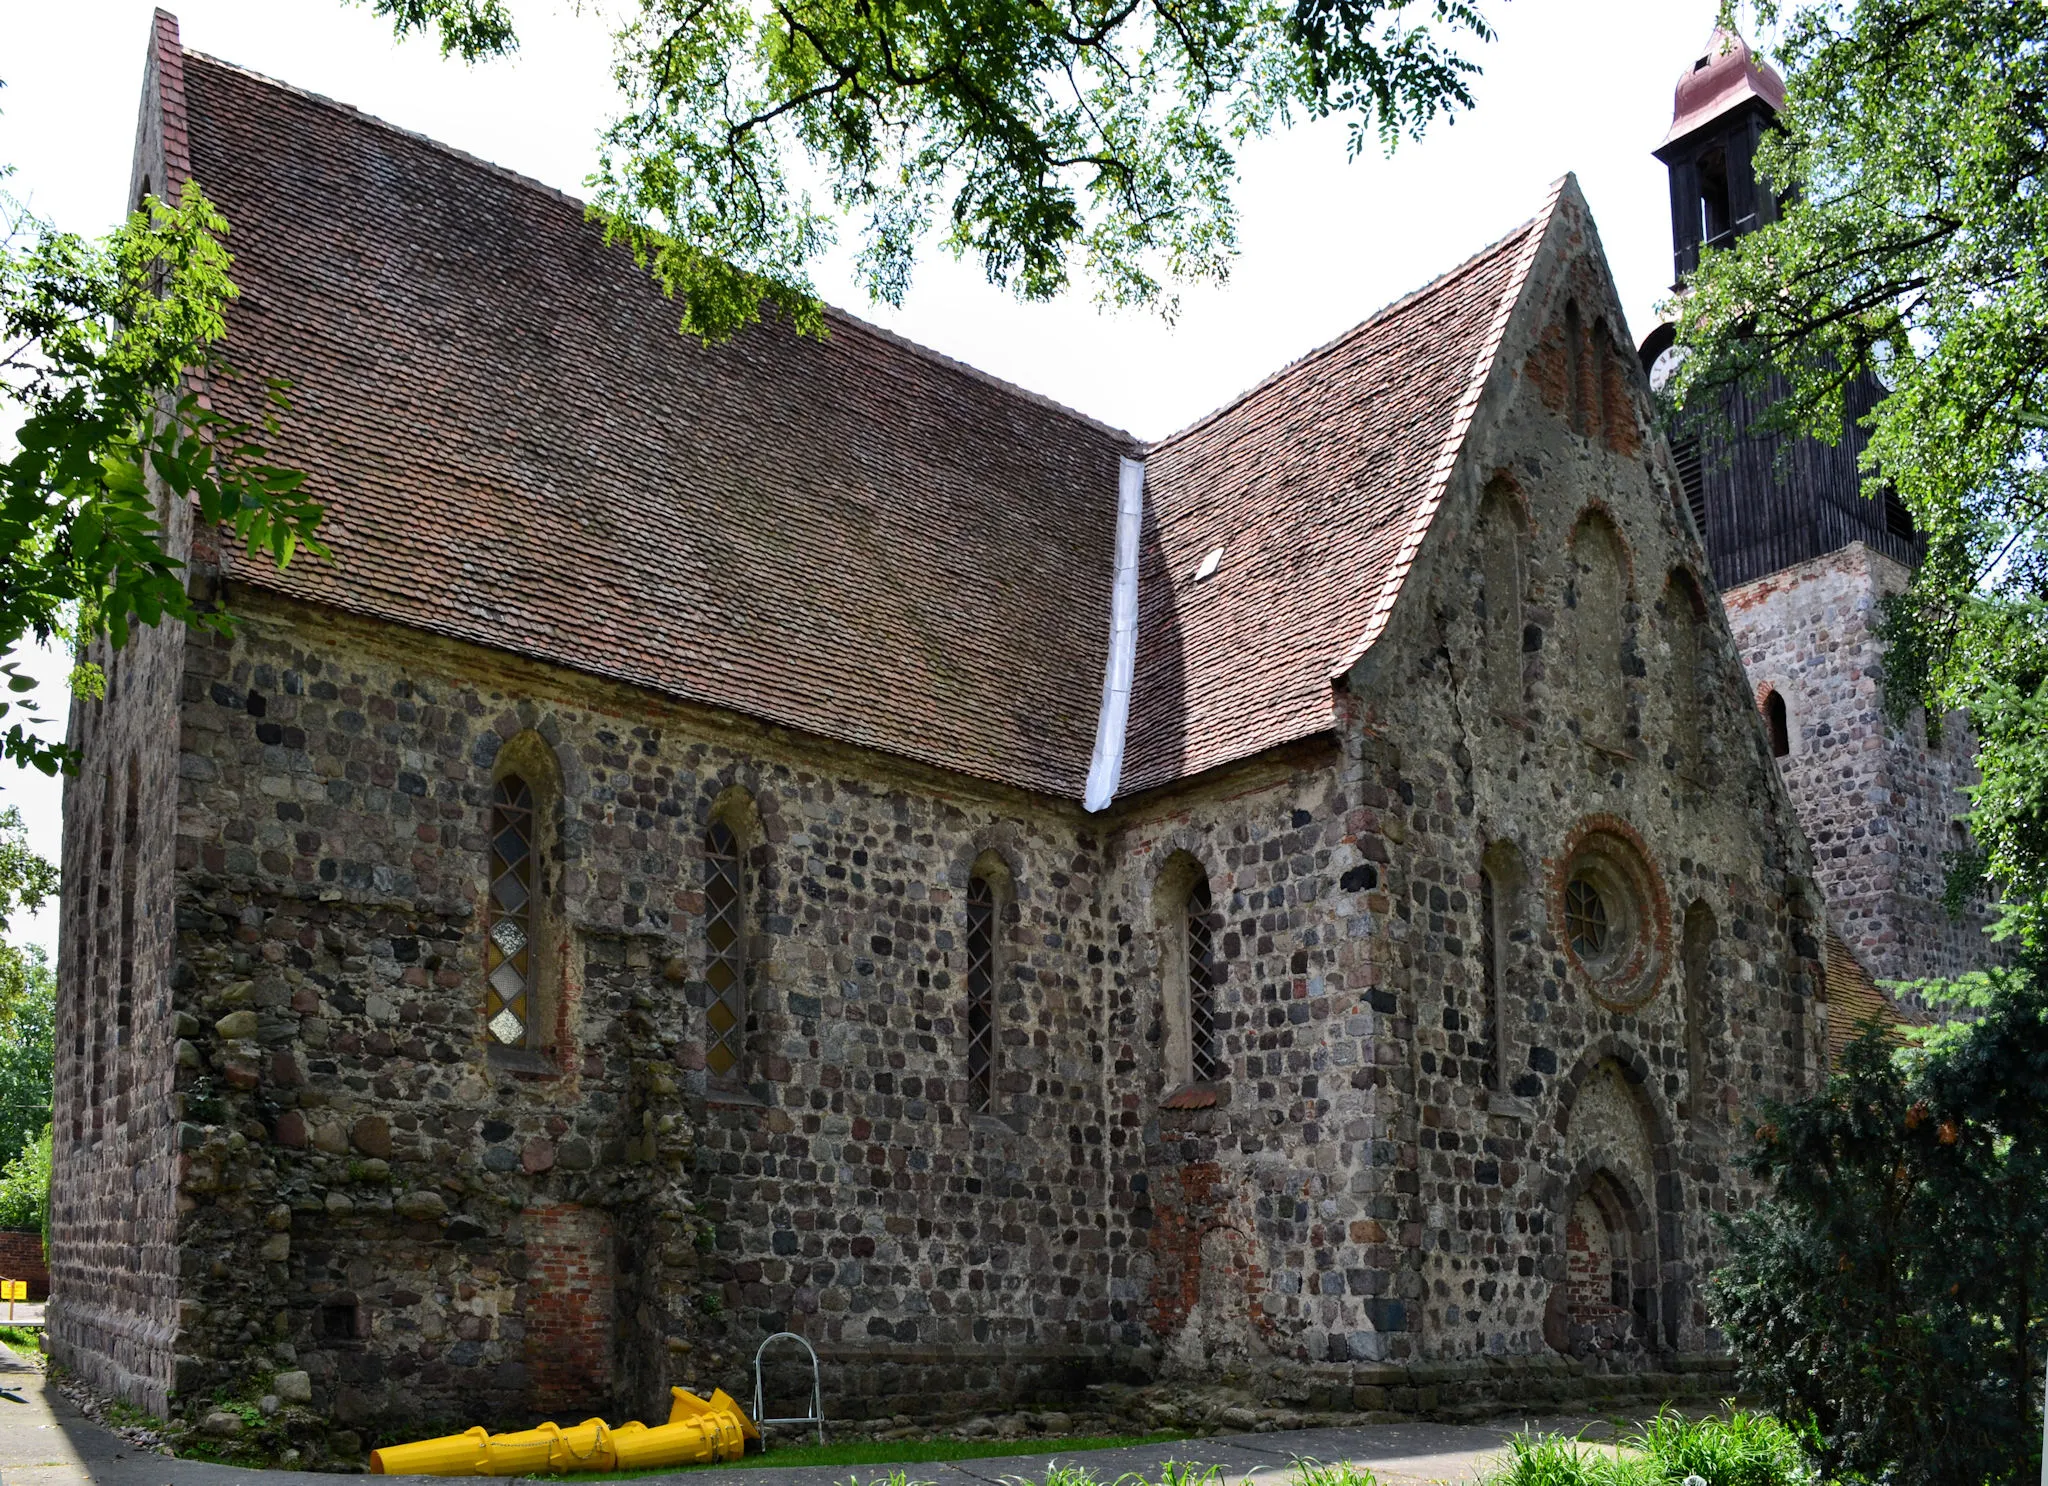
(725, 969)
(981, 995)
(1204, 1040)
(509, 948)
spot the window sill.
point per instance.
(717, 1098)
(995, 1124)
(1510, 1105)
(526, 1062)
(1197, 1096)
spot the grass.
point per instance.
(21, 1338)
(1742, 1449)
(891, 1452)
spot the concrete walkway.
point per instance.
(46, 1441)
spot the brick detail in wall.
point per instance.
(21, 1258)
(569, 1304)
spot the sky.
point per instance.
(1569, 85)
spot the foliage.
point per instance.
(108, 351)
(1741, 1449)
(1889, 1294)
(28, 1009)
(1037, 136)
(1916, 135)
(1308, 1471)
(1554, 1460)
(25, 1188)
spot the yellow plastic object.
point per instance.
(714, 1428)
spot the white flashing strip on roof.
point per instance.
(1107, 767)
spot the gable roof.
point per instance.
(856, 538)
(853, 537)
(1316, 487)
(1856, 1003)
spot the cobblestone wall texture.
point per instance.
(1879, 801)
(333, 1173)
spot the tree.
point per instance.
(1048, 135)
(25, 1188)
(1914, 245)
(1891, 1295)
(106, 353)
(28, 1006)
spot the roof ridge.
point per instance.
(531, 183)
(1377, 318)
(1538, 229)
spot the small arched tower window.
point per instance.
(981, 995)
(509, 951)
(1204, 1040)
(1779, 721)
(725, 938)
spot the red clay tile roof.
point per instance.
(1314, 485)
(856, 538)
(859, 539)
(1855, 1001)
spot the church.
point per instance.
(801, 835)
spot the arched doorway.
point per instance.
(1599, 1311)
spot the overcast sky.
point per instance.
(1571, 85)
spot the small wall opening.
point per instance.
(336, 1320)
(1779, 721)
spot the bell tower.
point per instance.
(1726, 100)
(1803, 559)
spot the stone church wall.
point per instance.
(1880, 802)
(115, 1264)
(420, 1225)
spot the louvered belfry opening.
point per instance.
(1204, 1043)
(508, 949)
(725, 967)
(981, 996)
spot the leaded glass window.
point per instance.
(508, 942)
(1585, 918)
(725, 940)
(1204, 1042)
(981, 995)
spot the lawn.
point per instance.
(893, 1452)
(21, 1338)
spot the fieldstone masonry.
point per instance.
(1880, 802)
(1472, 1108)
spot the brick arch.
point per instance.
(1667, 1202)
(1639, 1230)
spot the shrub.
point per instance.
(25, 1187)
(1890, 1297)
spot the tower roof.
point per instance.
(1727, 75)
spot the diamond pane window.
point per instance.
(508, 943)
(981, 995)
(1585, 918)
(1204, 1042)
(725, 960)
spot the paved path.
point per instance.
(46, 1441)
